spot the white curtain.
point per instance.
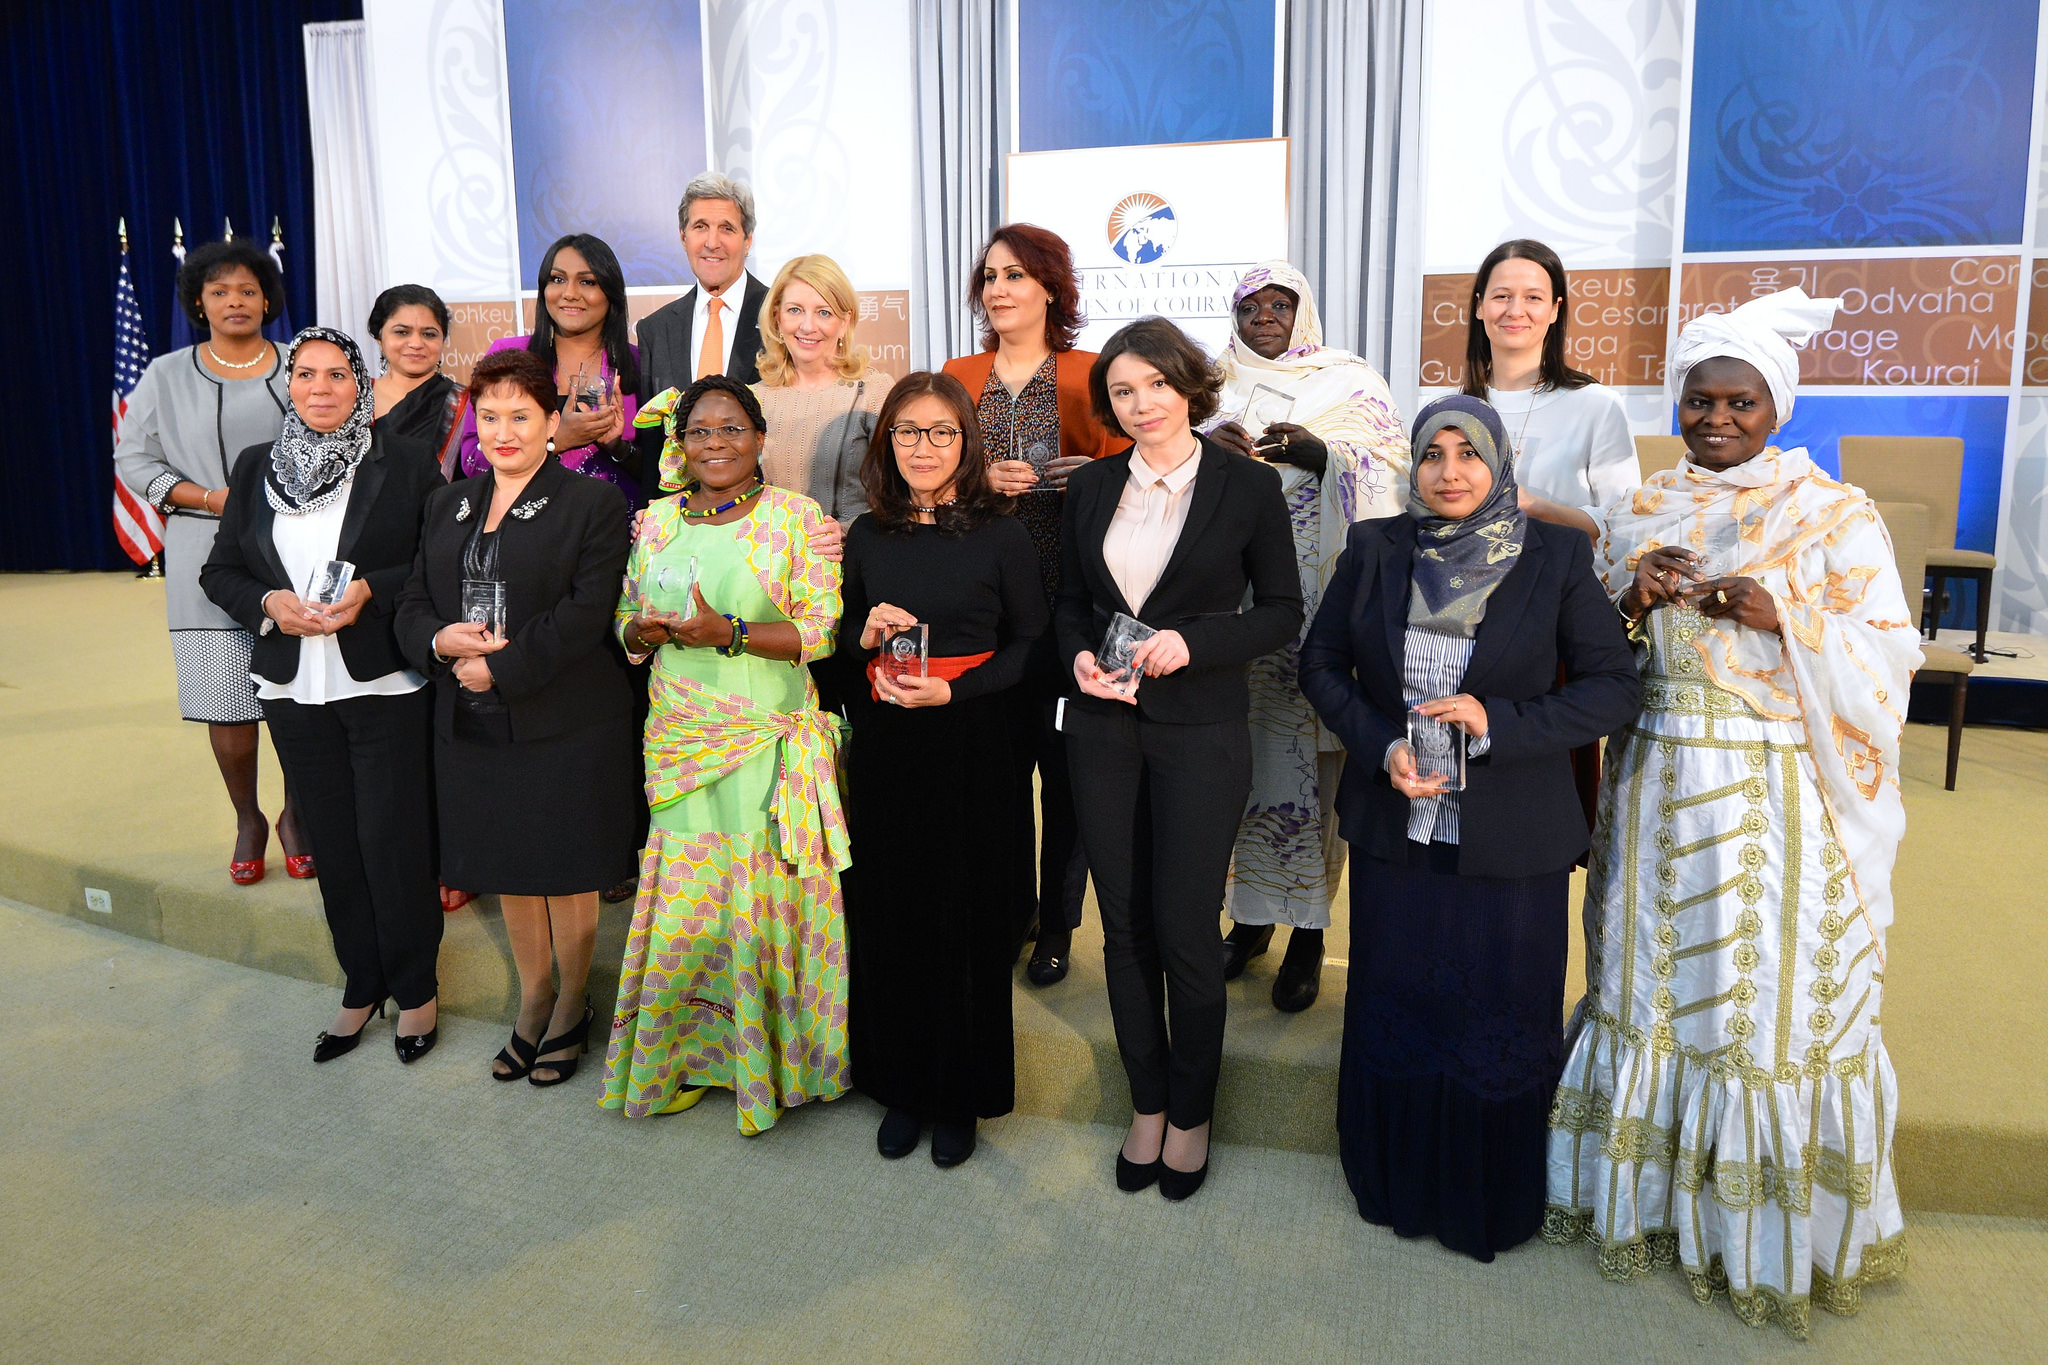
(961, 116)
(1353, 110)
(348, 242)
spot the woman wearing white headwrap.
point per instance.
(1727, 1103)
(1327, 419)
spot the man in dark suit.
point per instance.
(716, 327)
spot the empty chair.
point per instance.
(1908, 523)
(1927, 470)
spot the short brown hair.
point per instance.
(515, 368)
(975, 499)
(1173, 354)
(1046, 258)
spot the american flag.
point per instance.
(137, 525)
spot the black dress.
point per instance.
(432, 415)
(537, 782)
(934, 794)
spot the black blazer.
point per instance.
(379, 534)
(563, 566)
(1519, 815)
(668, 351)
(1236, 537)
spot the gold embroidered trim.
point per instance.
(1658, 1250)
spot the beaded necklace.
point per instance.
(690, 491)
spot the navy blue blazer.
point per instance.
(1519, 815)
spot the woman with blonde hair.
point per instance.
(816, 390)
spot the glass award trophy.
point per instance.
(483, 604)
(906, 653)
(328, 584)
(1266, 406)
(668, 592)
(1439, 749)
(1125, 634)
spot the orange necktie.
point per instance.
(711, 356)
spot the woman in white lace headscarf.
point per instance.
(1325, 417)
(1727, 1103)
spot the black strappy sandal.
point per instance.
(566, 1067)
(517, 1054)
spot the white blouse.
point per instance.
(1571, 445)
(304, 545)
(1147, 525)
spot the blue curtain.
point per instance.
(148, 111)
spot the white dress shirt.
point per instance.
(732, 299)
(1147, 524)
(305, 544)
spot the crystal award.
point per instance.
(668, 592)
(906, 653)
(483, 604)
(328, 584)
(1126, 633)
(1264, 407)
(1439, 749)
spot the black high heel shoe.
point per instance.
(566, 1067)
(328, 1046)
(519, 1055)
(412, 1047)
(1300, 979)
(1178, 1185)
(1132, 1176)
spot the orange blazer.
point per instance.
(1080, 433)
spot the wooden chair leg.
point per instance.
(1983, 612)
(1958, 699)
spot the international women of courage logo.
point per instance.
(1142, 228)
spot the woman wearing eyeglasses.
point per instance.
(735, 967)
(938, 561)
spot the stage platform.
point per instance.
(103, 787)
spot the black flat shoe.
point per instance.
(328, 1046)
(1132, 1176)
(1243, 943)
(952, 1143)
(897, 1137)
(1050, 959)
(1300, 979)
(411, 1049)
(1178, 1185)
(563, 1067)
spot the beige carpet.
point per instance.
(102, 786)
(182, 1184)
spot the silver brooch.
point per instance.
(525, 510)
(462, 512)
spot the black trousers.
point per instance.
(1061, 857)
(1159, 807)
(358, 771)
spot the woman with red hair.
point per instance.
(1030, 390)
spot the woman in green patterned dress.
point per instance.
(735, 968)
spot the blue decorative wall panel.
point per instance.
(1836, 123)
(607, 105)
(1119, 73)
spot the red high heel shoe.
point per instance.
(299, 865)
(251, 872)
(451, 901)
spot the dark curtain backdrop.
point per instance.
(149, 111)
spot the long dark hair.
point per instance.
(1555, 372)
(611, 281)
(975, 500)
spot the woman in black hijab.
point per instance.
(1460, 611)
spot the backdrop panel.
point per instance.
(1112, 73)
(607, 117)
(1838, 123)
(1165, 230)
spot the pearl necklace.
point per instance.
(244, 365)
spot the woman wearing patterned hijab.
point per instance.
(1461, 611)
(347, 715)
(1326, 419)
(1728, 1104)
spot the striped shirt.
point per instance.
(1433, 666)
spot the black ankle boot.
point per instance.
(1301, 972)
(1243, 943)
(898, 1134)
